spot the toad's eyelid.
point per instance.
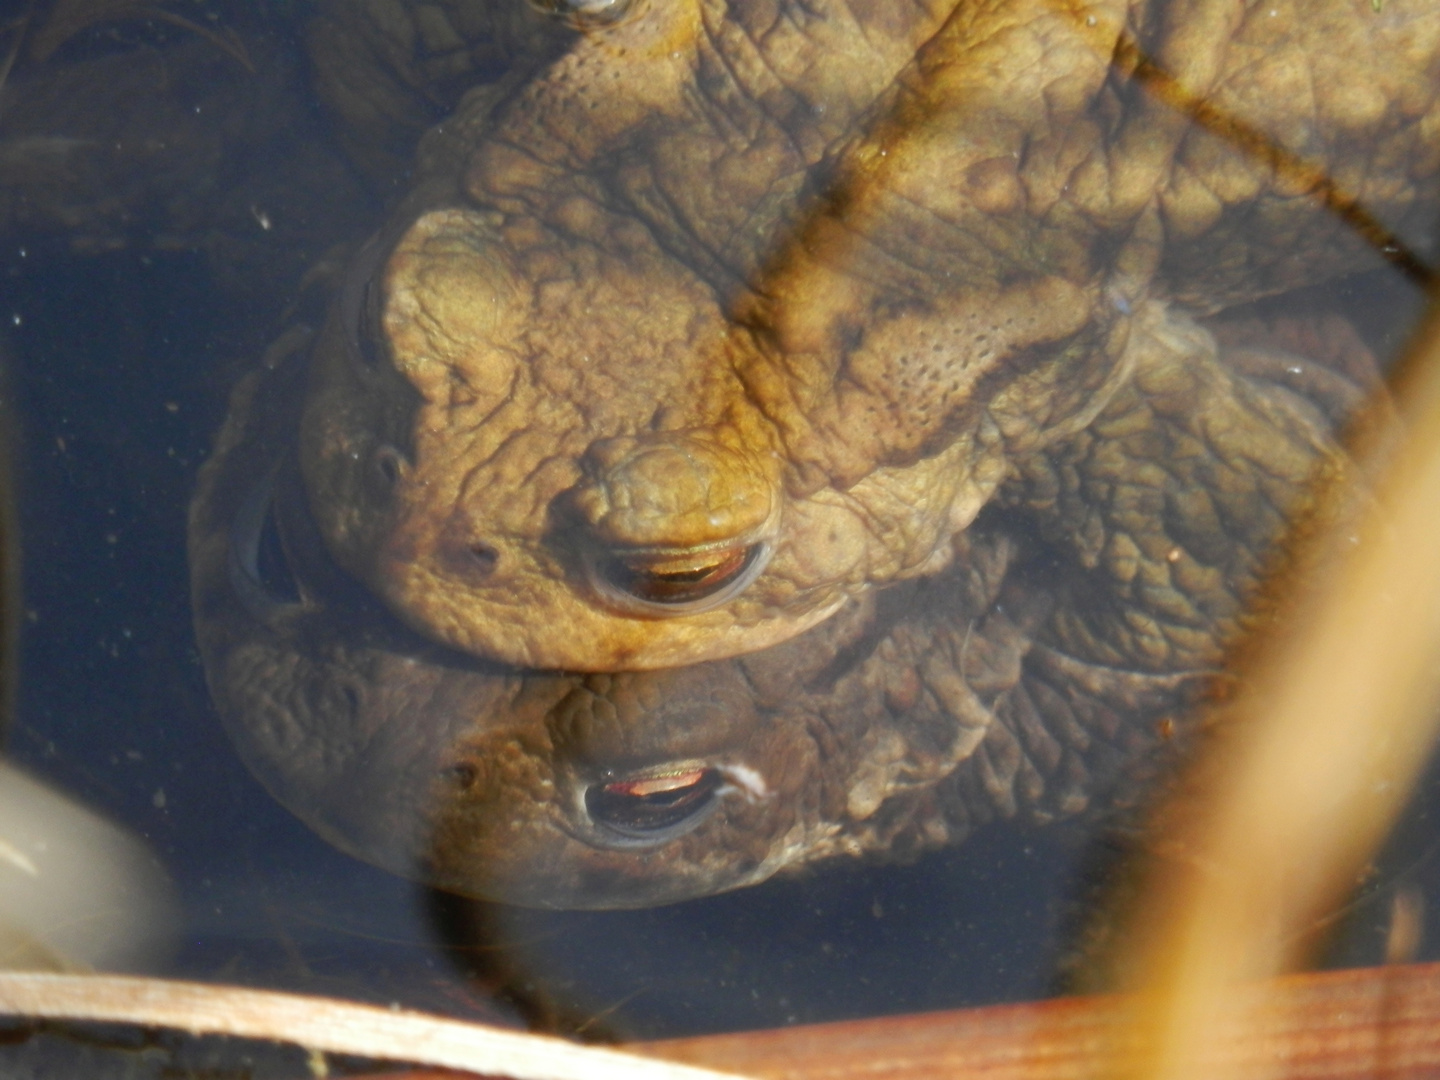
(258, 564)
(363, 299)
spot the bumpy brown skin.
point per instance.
(825, 281)
(1019, 682)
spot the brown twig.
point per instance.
(1340, 1025)
(327, 1025)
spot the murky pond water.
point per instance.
(720, 481)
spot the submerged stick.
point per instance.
(1341, 1025)
(327, 1025)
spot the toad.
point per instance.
(738, 311)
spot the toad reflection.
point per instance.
(912, 716)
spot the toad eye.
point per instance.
(259, 564)
(363, 305)
(369, 330)
(588, 14)
(654, 807)
(676, 583)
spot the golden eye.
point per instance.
(678, 579)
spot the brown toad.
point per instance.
(737, 310)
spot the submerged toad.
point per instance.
(737, 310)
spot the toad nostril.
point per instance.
(649, 807)
(484, 558)
(465, 775)
(389, 465)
